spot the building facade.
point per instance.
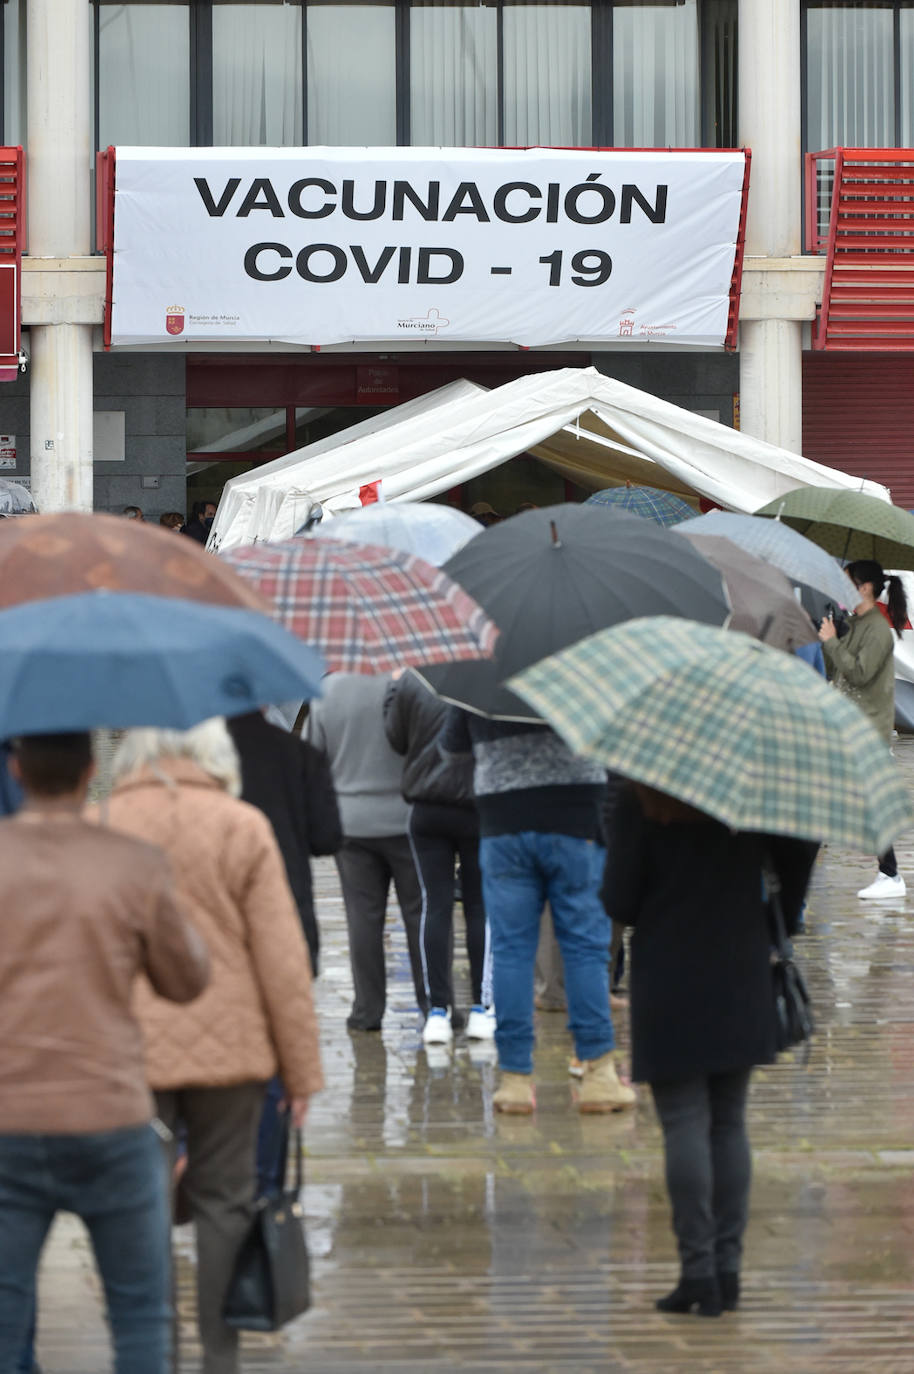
(161, 427)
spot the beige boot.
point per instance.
(601, 1090)
(515, 1094)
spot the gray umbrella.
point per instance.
(551, 577)
(774, 542)
(764, 604)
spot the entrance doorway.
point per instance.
(246, 410)
(225, 441)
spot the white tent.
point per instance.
(251, 502)
(588, 427)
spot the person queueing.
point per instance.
(443, 827)
(702, 1011)
(289, 781)
(862, 665)
(202, 515)
(209, 1063)
(347, 724)
(84, 911)
(539, 820)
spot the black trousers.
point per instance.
(366, 868)
(221, 1126)
(439, 836)
(888, 864)
(708, 1168)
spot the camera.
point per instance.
(842, 620)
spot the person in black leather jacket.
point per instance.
(443, 827)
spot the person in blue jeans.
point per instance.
(11, 798)
(84, 912)
(539, 822)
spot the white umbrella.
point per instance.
(423, 528)
(15, 499)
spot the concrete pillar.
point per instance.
(58, 207)
(61, 416)
(771, 362)
(771, 382)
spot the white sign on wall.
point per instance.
(337, 245)
(109, 442)
(7, 451)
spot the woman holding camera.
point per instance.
(862, 665)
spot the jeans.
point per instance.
(708, 1168)
(26, 1362)
(270, 1155)
(115, 1181)
(520, 873)
(439, 835)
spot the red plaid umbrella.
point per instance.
(368, 609)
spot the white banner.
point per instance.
(392, 245)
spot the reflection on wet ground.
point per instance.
(446, 1238)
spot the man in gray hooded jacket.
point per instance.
(347, 723)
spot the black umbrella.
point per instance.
(551, 577)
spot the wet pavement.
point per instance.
(444, 1237)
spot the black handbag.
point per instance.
(793, 1018)
(271, 1281)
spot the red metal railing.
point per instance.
(12, 244)
(860, 211)
(736, 281)
(105, 166)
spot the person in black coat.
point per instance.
(201, 521)
(702, 1010)
(289, 781)
(443, 827)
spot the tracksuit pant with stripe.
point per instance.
(440, 835)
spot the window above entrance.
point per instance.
(282, 73)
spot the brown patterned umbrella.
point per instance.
(57, 555)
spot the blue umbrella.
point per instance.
(118, 659)
(649, 502)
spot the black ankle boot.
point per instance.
(728, 1282)
(702, 1295)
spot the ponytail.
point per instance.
(898, 604)
(868, 570)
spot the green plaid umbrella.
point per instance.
(649, 502)
(849, 524)
(735, 728)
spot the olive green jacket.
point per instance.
(862, 665)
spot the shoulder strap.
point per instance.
(776, 922)
(290, 1139)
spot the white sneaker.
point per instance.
(883, 886)
(481, 1023)
(438, 1029)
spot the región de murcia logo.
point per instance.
(174, 319)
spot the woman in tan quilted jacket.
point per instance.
(209, 1061)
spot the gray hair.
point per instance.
(209, 745)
